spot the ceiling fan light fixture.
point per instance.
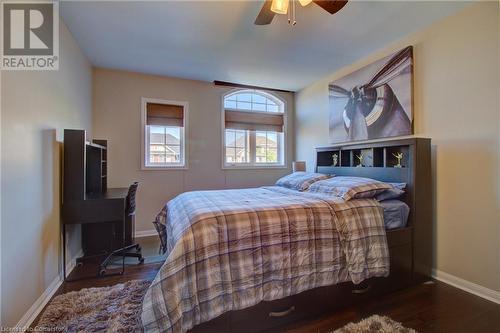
(305, 2)
(280, 6)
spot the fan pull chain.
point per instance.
(289, 14)
(292, 14)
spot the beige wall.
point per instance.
(456, 104)
(36, 107)
(117, 118)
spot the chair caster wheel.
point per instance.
(102, 271)
(141, 260)
(79, 264)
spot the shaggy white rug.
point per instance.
(375, 324)
(107, 309)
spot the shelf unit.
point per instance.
(85, 176)
(83, 165)
(375, 157)
(96, 181)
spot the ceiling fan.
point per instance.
(273, 7)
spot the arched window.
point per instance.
(254, 129)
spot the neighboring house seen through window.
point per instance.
(254, 128)
(164, 144)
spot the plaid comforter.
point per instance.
(231, 249)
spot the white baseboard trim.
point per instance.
(145, 233)
(37, 307)
(470, 287)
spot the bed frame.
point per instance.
(410, 248)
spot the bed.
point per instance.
(396, 213)
(252, 259)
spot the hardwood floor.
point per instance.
(430, 307)
(132, 272)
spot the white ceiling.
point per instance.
(217, 40)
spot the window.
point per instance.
(237, 150)
(254, 129)
(164, 124)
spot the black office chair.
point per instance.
(129, 233)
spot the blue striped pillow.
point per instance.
(300, 180)
(349, 187)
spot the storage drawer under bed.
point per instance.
(268, 315)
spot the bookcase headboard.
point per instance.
(379, 160)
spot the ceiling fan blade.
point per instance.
(331, 6)
(266, 15)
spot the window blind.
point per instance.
(164, 115)
(254, 121)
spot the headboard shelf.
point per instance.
(363, 157)
(379, 160)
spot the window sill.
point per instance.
(164, 168)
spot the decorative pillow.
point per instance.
(399, 186)
(397, 190)
(392, 193)
(350, 187)
(300, 180)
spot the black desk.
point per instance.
(103, 207)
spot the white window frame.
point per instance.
(252, 164)
(183, 165)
